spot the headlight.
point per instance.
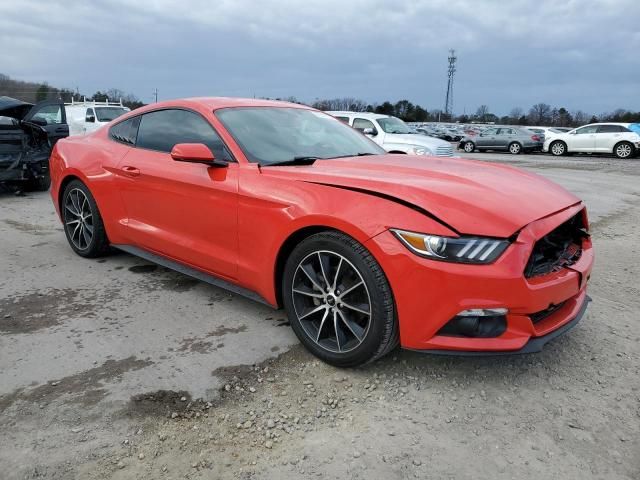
(477, 250)
(421, 151)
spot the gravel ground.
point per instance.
(117, 369)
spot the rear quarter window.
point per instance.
(126, 132)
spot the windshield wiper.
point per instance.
(293, 161)
(360, 154)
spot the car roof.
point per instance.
(622, 124)
(366, 115)
(215, 103)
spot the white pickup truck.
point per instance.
(87, 116)
(394, 135)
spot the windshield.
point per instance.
(393, 125)
(275, 134)
(106, 114)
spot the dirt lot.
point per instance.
(115, 368)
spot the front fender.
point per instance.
(275, 210)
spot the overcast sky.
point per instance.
(581, 54)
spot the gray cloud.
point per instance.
(580, 54)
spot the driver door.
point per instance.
(584, 140)
(487, 138)
(52, 116)
(184, 211)
(361, 124)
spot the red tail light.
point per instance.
(535, 138)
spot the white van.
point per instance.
(87, 116)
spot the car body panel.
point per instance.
(236, 222)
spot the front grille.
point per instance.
(444, 151)
(560, 248)
(542, 314)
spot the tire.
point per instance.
(558, 148)
(469, 147)
(515, 148)
(82, 221)
(40, 184)
(315, 303)
(624, 150)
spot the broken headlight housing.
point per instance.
(476, 250)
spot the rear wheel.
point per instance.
(338, 300)
(558, 148)
(515, 148)
(623, 150)
(469, 147)
(82, 221)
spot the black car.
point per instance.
(27, 135)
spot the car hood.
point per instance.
(10, 107)
(472, 197)
(415, 139)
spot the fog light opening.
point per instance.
(477, 323)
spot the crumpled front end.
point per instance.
(24, 152)
(533, 292)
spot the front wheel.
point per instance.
(558, 148)
(623, 150)
(338, 300)
(39, 184)
(469, 147)
(82, 221)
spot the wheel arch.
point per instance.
(617, 144)
(63, 185)
(287, 247)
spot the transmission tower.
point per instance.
(448, 103)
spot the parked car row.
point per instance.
(619, 139)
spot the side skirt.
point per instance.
(192, 272)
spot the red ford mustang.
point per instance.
(364, 250)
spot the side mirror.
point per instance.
(195, 153)
(90, 119)
(370, 131)
(572, 133)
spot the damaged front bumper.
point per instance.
(17, 169)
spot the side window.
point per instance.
(50, 114)
(587, 129)
(344, 119)
(507, 131)
(361, 124)
(125, 132)
(163, 129)
(489, 131)
(612, 129)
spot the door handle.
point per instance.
(130, 171)
(61, 130)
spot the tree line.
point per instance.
(539, 114)
(35, 92)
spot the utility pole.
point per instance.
(448, 103)
(155, 94)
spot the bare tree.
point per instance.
(515, 114)
(580, 117)
(482, 113)
(540, 113)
